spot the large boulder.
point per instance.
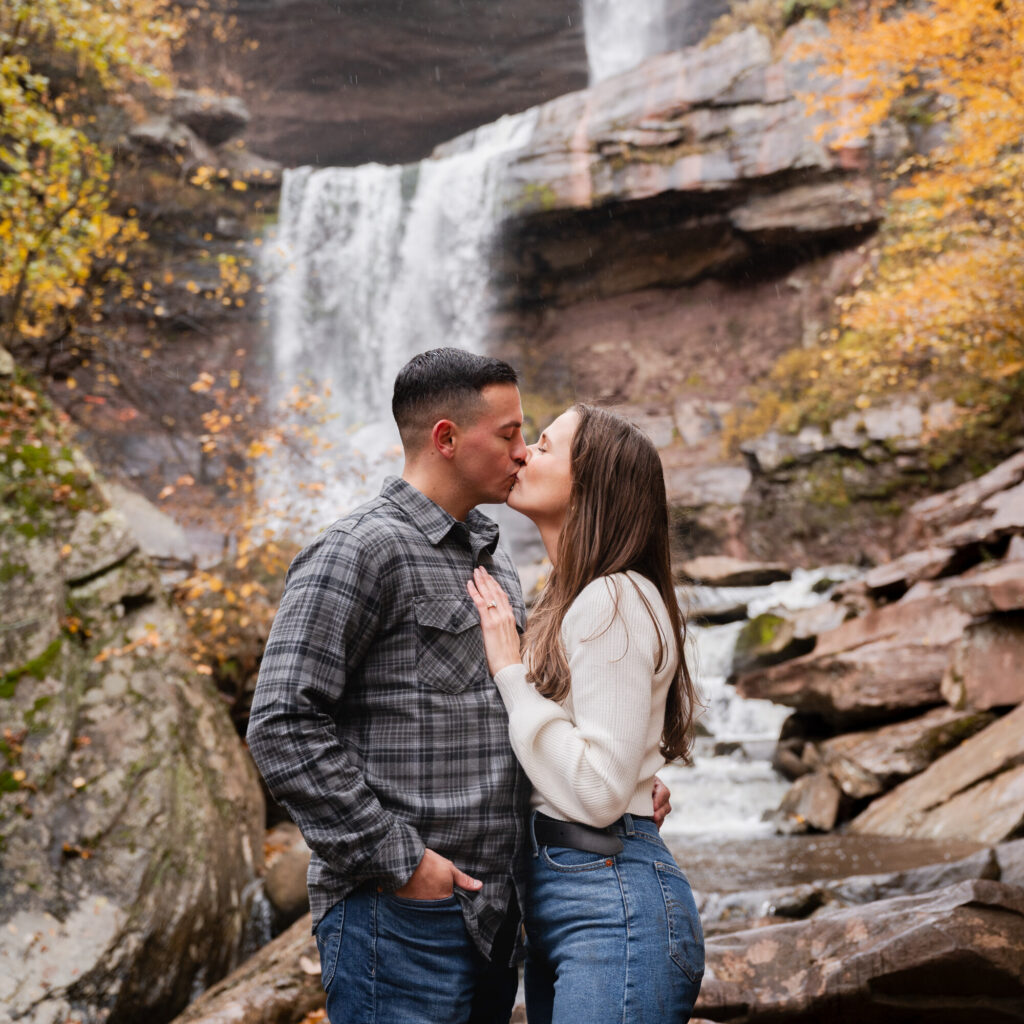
(937, 512)
(878, 666)
(865, 764)
(976, 791)
(279, 985)
(130, 815)
(987, 667)
(949, 957)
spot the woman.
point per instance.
(603, 699)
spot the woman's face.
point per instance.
(542, 486)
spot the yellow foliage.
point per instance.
(944, 309)
(55, 220)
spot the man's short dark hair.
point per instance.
(443, 384)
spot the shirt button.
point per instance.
(380, 888)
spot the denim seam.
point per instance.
(629, 942)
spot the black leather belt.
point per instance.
(551, 832)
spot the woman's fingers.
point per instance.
(489, 588)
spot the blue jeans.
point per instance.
(611, 939)
(388, 960)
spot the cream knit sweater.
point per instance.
(593, 757)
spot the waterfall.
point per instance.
(621, 35)
(369, 266)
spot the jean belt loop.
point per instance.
(627, 824)
(533, 835)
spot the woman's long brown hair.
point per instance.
(617, 521)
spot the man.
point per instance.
(376, 724)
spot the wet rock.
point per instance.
(807, 208)
(867, 763)
(98, 541)
(901, 573)
(768, 639)
(965, 502)
(285, 880)
(990, 811)
(167, 137)
(721, 571)
(801, 901)
(987, 667)
(718, 614)
(812, 802)
(1011, 862)
(279, 985)
(948, 956)
(999, 588)
(877, 666)
(157, 534)
(821, 618)
(976, 791)
(215, 119)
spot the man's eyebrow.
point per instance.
(511, 425)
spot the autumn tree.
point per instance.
(943, 308)
(58, 60)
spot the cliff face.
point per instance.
(351, 82)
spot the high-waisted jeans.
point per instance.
(611, 940)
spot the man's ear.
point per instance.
(443, 438)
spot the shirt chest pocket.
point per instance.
(449, 645)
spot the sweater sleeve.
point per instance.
(586, 764)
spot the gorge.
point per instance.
(630, 222)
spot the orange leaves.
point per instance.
(943, 309)
(150, 639)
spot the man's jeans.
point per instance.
(611, 939)
(388, 960)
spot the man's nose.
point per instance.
(520, 453)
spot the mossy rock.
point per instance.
(765, 640)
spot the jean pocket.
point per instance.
(566, 858)
(328, 942)
(685, 935)
(445, 903)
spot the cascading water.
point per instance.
(621, 35)
(370, 265)
(732, 783)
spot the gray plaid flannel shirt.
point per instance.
(375, 722)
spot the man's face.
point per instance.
(490, 450)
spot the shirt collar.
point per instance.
(479, 531)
